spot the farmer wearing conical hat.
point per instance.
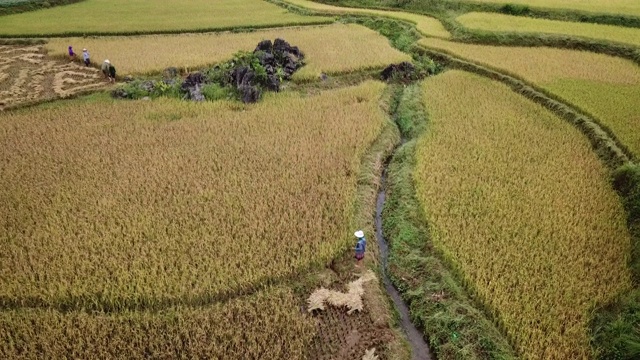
(85, 57)
(360, 246)
(105, 68)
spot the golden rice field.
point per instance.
(521, 24)
(323, 46)
(132, 204)
(602, 85)
(127, 16)
(622, 7)
(426, 25)
(219, 331)
(518, 202)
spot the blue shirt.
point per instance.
(361, 245)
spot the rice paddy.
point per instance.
(621, 7)
(613, 82)
(426, 25)
(520, 24)
(517, 201)
(125, 205)
(213, 331)
(135, 16)
(324, 49)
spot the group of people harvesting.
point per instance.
(108, 70)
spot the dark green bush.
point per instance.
(518, 10)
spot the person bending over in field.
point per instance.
(85, 57)
(105, 69)
(360, 246)
(112, 73)
(109, 71)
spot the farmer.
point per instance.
(109, 71)
(85, 57)
(72, 55)
(360, 246)
(112, 73)
(105, 69)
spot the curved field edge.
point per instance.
(605, 144)
(439, 306)
(455, 30)
(101, 298)
(507, 23)
(165, 17)
(595, 7)
(425, 24)
(539, 250)
(31, 5)
(616, 326)
(280, 330)
(191, 51)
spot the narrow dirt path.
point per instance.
(419, 347)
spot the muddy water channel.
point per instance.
(419, 347)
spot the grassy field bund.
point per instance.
(426, 25)
(519, 204)
(120, 205)
(135, 16)
(520, 24)
(153, 53)
(601, 85)
(622, 7)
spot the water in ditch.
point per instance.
(419, 347)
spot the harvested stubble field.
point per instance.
(126, 205)
(621, 7)
(331, 49)
(426, 25)
(521, 24)
(604, 86)
(27, 75)
(134, 16)
(279, 330)
(517, 201)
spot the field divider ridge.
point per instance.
(166, 32)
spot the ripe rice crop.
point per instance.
(330, 49)
(622, 7)
(613, 84)
(520, 24)
(521, 206)
(427, 25)
(132, 204)
(127, 16)
(279, 330)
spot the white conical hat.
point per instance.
(359, 233)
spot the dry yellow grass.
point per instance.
(604, 86)
(352, 299)
(622, 7)
(508, 23)
(113, 204)
(518, 202)
(131, 16)
(330, 49)
(426, 25)
(279, 330)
